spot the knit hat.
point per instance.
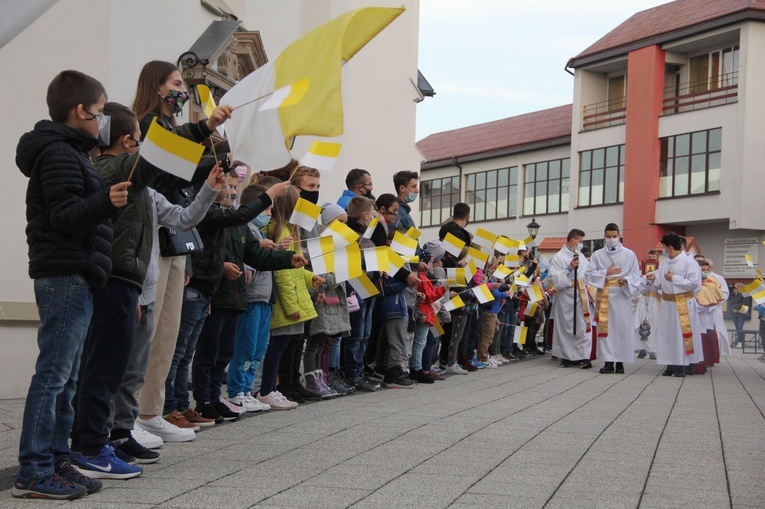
(330, 211)
(435, 249)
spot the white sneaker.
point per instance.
(165, 430)
(234, 404)
(277, 401)
(249, 403)
(146, 439)
(500, 360)
(491, 363)
(252, 400)
(456, 369)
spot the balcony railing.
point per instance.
(605, 114)
(696, 95)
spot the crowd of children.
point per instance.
(124, 319)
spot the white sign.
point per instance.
(735, 265)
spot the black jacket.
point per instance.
(69, 230)
(451, 227)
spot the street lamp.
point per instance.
(533, 228)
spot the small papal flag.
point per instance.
(535, 293)
(484, 238)
(403, 245)
(348, 263)
(756, 290)
(286, 96)
(376, 259)
(505, 244)
(470, 269)
(170, 152)
(478, 257)
(341, 233)
(206, 99)
(321, 155)
(743, 309)
(364, 286)
(305, 214)
(512, 260)
(452, 245)
(749, 261)
(532, 309)
(413, 233)
(320, 250)
(501, 273)
(455, 303)
(456, 276)
(521, 279)
(395, 262)
(439, 329)
(529, 242)
(483, 294)
(371, 228)
(519, 336)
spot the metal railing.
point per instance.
(701, 94)
(750, 338)
(605, 114)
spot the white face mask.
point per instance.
(611, 243)
(579, 246)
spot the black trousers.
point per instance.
(215, 349)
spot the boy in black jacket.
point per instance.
(69, 234)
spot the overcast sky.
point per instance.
(493, 59)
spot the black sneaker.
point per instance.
(362, 385)
(291, 394)
(642, 354)
(210, 411)
(65, 470)
(52, 487)
(306, 394)
(396, 379)
(371, 382)
(585, 364)
(225, 412)
(122, 455)
(420, 377)
(142, 455)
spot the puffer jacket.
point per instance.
(69, 229)
(292, 293)
(332, 314)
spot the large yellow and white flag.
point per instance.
(320, 252)
(505, 245)
(477, 256)
(502, 272)
(170, 152)
(535, 293)
(305, 214)
(457, 276)
(262, 137)
(395, 262)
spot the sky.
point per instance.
(493, 59)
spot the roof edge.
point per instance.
(730, 19)
(467, 158)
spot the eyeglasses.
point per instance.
(96, 116)
(138, 143)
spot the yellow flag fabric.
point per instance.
(376, 259)
(413, 233)
(437, 326)
(403, 245)
(319, 55)
(755, 289)
(535, 293)
(395, 262)
(477, 256)
(342, 234)
(170, 152)
(305, 214)
(371, 228)
(456, 276)
(483, 294)
(321, 155)
(749, 260)
(505, 244)
(455, 303)
(206, 98)
(364, 286)
(452, 245)
(348, 263)
(501, 273)
(484, 238)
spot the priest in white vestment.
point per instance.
(615, 272)
(720, 327)
(573, 349)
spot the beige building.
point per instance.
(112, 39)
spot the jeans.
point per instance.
(739, 319)
(65, 304)
(105, 357)
(420, 339)
(252, 335)
(214, 351)
(193, 314)
(353, 346)
(429, 350)
(459, 324)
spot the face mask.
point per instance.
(104, 128)
(579, 247)
(611, 243)
(394, 223)
(262, 220)
(704, 275)
(411, 197)
(176, 100)
(370, 195)
(312, 196)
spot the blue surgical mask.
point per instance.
(705, 275)
(262, 220)
(411, 197)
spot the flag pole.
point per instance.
(252, 101)
(135, 164)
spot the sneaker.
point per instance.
(419, 376)
(434, 375)
(642, 354)
(166, 431)
(145, 438)
(378, 376)
(52, 487)
(178, 419)
(237, 408)
(397, 379)
(277, 401)
(456, 369)
(65, 469)
(194, 418)
(307, 395)
(652, 356)
(105, 465)
(291, 394)
(336, 382)
(253, 402)
(315, 383)
(510, 357)
(209, 411)
(373, 383)
(491, 363)
(123, 456)
(585, 364)
(225, 411)
(249, 404)
(468, 366)
(362, 385)
(142, 455)
(478, 364)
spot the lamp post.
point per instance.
(533, 228)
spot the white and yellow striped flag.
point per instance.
(456, 276)
(170, 152)
(529, 242)
(501, 272)
(305, 214)
(403, 245)
(437, 329)
(289, 95)
(512, 261)
(484, 238)
(483, 294)
(413, 233)
(521, 279)
(341, 233)
(371, 228)
(321, 253)
(532, 309)
(454, 303)
(321, 155)
(376, 259)
(207, 101)
(519, 336)
(364, 286)
(477, 256)
(452, 245)
(348, 263)
(749, 261)
(505, 245)
(535, 293)
(470, 269)
(756, 290)
(395, 262)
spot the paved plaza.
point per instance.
(529, 434)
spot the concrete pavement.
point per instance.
(528, 434)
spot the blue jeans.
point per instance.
(354, 345)
(420, 339)
(193, 314)
(65, 304)
(252, 335)
(429, 350)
